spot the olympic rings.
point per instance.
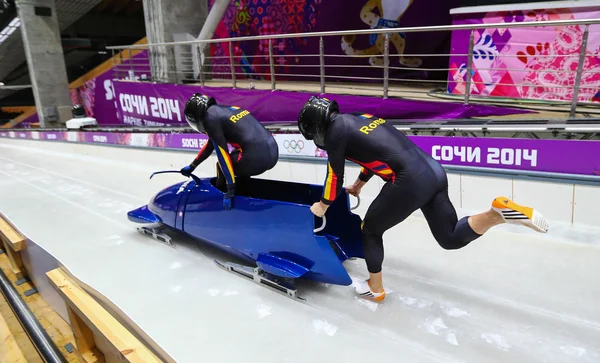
(293, 146)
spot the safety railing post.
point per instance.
(130, 60)
(322, 63)
(386, 65)
(577, 84)
(271, 64)
(232, 64)
(469, 67)
(120, 65)
(201, 63)
(112, 57)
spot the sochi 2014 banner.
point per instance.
(153, 104)
(555, 156)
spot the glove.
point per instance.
(228, 199)
(187, 170)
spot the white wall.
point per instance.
(566, 203)
(559, 202)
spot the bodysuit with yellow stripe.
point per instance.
(255, 150)
(414, 180)
(372, 143)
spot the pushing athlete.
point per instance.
(414, 180)
(255, 150)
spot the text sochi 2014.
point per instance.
(164, 108)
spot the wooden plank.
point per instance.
(99, 321)
(58, 329)
(15, 240)
(86, 350)
(9, 349)
(14, 259)
(17, 120)
(107, 65)
(97, 71)
(16, 109)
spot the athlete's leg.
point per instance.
(452, 233)
(393, 205)
(221, 182)
(442, 219)
(256, 160)
(448, 231)
(245, 165)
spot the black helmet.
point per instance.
(315, 119)
(78, 111)
(195, 110)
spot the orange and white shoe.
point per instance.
(518, 214)
(363, 289)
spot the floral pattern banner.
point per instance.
(529, 62)
(299, 57)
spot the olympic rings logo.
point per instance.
(293, 146)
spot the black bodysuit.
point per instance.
(255, 149)
(414, 180)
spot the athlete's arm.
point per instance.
(204, 153)
(336, 161)
(216, 135)
(365, 175)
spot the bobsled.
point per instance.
(270, 227)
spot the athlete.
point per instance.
(414, 180)
(255, 150)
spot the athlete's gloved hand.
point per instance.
(187, 170)
(228, 198)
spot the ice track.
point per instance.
(512, 296)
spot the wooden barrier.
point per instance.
(9, 349)
(98, 335)
(13, 242)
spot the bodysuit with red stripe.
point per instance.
(374, 144)
(235, 126)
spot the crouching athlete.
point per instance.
(414, 180)
(255, 150)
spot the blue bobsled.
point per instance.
(270, 226)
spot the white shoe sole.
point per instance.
(538, 223)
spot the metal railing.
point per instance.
(189, 62)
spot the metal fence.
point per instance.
(194, 62)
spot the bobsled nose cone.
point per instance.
(143, 215)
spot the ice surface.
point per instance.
(511, 296)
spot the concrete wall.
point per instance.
(164, 20)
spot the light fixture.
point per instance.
(16, 87)
(10, 28)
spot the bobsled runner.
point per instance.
(270, 226)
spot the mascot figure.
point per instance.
(390, 13)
